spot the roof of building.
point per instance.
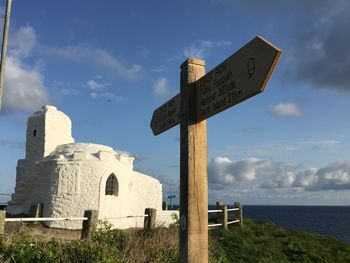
(70, 148)
(73, 151)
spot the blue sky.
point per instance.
(109, 64)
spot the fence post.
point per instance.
(222, 216)
(239, 212)
(150, 220)
(165, 205)
(2, 221)
(88, 224)
(218, 214)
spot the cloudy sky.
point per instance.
(108, 64)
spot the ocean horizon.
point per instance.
(332, 221)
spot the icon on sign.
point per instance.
(251, 67)
(183, 223)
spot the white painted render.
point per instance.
(69, 178)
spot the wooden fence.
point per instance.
(223, 215)
(90, 218)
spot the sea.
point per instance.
(333, 221)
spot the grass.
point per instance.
(252, 242)
(266, 242)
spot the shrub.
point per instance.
(176, 220)
(252, 242)
(104, 234)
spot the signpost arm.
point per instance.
(193, 170)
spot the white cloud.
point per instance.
(100, 90)
(107, 95)
(202, 47)
(264, 174)
(279, 180)
(194, 51)
(22, 42)
(161, 88)
(306, 178)
(319, 55)
(285, 110)
(95, 56)
(222, 170)
(24, 87)
(317, 52)
(95, 86)
(335, 176)
(137, 68)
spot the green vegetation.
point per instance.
(266, 242)
(253, 242)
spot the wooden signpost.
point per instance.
(166, 116)
(236, 79)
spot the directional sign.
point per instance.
(238, 78)
(166, 116)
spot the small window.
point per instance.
(34, 133)
(112, 185)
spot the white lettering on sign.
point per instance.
(241, 76)
(166, 116)
(238, 78)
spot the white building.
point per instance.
(68, 178)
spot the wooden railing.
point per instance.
(43, 219)
(223, 215)
(90, 218)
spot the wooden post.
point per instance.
(218, 214)
(197, 101)
(225, 217)
(239, 213)
(193, 170)
(222, 216)
(89, 224)
(2, 221)
(165, 205)
(150, 219)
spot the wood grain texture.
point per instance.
(193, 171)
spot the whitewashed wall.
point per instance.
(69, 178)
